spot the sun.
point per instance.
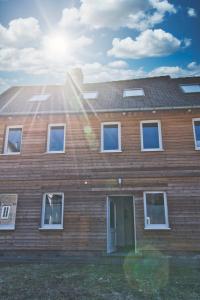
(56, 45)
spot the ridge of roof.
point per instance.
(166, 77)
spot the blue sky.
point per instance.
(109, 39)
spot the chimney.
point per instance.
(76, 76)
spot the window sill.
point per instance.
(197, 148)
(10, 154)
(152, 150)
(111, 151)
(54, 152)
(157, 228)
(50, 228)
(7, 227)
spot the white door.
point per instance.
(111, 226)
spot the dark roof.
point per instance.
(160, 93)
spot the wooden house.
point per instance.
(101, 167)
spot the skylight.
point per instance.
(90, 95)
(133, 92)
(39, 97)
(190, 88)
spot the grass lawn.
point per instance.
(142, 278)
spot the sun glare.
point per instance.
(56, 45)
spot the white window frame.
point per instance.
(156, 226)
(126, 90)
(52, 226)
(48, 137)
(159, 136)
(2, 212)
(188, 84)
(119, 136)
(95, 93)
(6, 140)
(194, 133)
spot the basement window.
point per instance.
(196, 130)
(151, 137)
(133, 92)
(111, 137)
(90, 95)
(5, 210)
(39, 97)
(13, 140)
(190, 88)
(56, 138)
(8, 205)
(155, 210)
(52, 211)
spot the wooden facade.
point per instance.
(87, 177)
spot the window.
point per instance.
(5, 210)
(56, 138)
(13, 140)
(196, 130)
(110, 137)
(155, 210)
(190, 88)
(40, 97)
(151, 138)
(133, 92)
(8, 206)
(90, 95)
(52, 211)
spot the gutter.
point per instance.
(101, 110)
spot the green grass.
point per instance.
(141, 278)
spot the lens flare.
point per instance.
(56, 46)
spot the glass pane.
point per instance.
(90, 95)
(110, 137)
(53, 209)
(14, 140)
(193, 88)
(150, 136)
(155, 208)
(56, 139)
(134, 92)
(197, 132)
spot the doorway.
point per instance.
(120, 224)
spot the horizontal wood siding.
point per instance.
(175, 170)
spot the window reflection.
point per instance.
(110, 139)
(150, 136)
(14, 140)
(56, 142)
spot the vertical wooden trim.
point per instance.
(135, 229)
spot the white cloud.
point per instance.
(70, 17)
(118, 64)
(192, 69)
(20, 32)
(149, 43)
(191, 12)
(137, 14)
(163, 6)
(97, 72)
